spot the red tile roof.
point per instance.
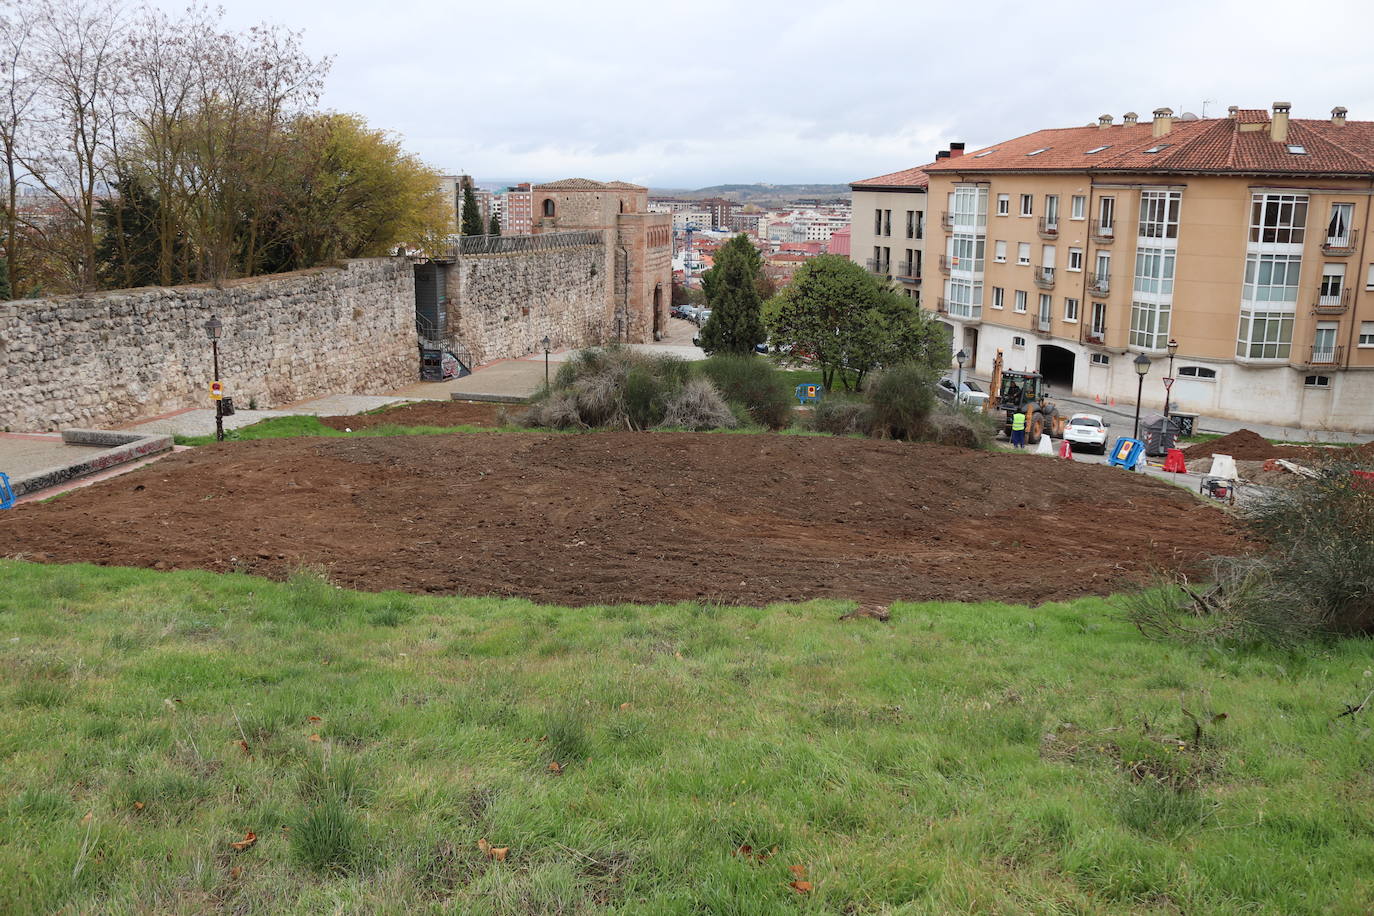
(907, 178)
(1211, 145)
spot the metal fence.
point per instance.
(513, 244)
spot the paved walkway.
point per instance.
(25, 453)
(200, 421)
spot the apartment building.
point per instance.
(888, 230)
(517, 216)
(1241, 241)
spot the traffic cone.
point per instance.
(1113, 402)
(1045, 446)
(1097, 399)
(1174, 463)
(1066, 450)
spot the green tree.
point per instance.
(495, 226)
(130, 249)
(848, 323)
(736, 323)
(472, 217)
(738, 247)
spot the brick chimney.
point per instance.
(1164, 121)
(1130, 118)
(942, 154)
(1278, 126)
(1232, 111)
(1104, 121)
(956, 150)
(1338, 115)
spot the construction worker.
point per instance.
(1018, 430)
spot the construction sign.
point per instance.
(216, 391)
(809, 394)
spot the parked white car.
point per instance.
(1087, 431)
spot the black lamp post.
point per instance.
(546, 343)
(1142, 368)
(959, 379)
(213, 328)
(1169, 380)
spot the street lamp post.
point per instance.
(1169, 379)
(959, 379)
(546, 343)
(213, 328)
(1142, 368)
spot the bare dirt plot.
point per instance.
(430, 413)
(647, 517)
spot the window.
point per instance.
(1201, 373)
(986, 152)
(1003, 204)
(1338, 227)
(878, 221)
(1075, 259)
(1019, 301)
(911, 267)
(1079, 207)
(1000, 252)
(969, 207)
(964, 297)
(1278, 218)
(966, 252)
(1316, 381)
(1018, 343)
(1366, 334)
(1027, 204)
(1369, 277)
(548, 206)
(1297, 150)
(1070, 309)
(1102, 273)
(1037, 152)
(1159, 214)
(1051, 210)
(1264, 335)
(1158, 147)
(1271, 277)
(1149, 325)
(911, 224)
(1023, 252)
(1099, 327)
(1106, 216)
(1333, 282)
(1047, 258)
(1098, 149)
(1100, 359)
(999, 297)
(1324, 342)
(1045, 311)
(1154, 271)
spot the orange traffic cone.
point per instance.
(1113, 402)
(1066, 450)
(1097, 399)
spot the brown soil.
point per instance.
(637, 517)
(428, 413)
(1245, 445)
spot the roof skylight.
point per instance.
(986, 152)
(1297, 150)
(1098, 149)
(1038, 151)
(1156, 148)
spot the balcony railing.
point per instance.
(909, 273)
(1340, 246)
(947, 221)
(1049, 230)
(1044, 326)
(961, 310)
(1097, 337)
(1326, 355)
(1100, 284)
(878, 267)
(1102, 235)
(1333, 305)
(942, 305)
(1044, 277)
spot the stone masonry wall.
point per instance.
(110, 358)
(502, 305)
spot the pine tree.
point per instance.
(5, 293)
(495, 228)
(735, 325)
(472, 217)
(128, 253)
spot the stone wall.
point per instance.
(502, 305)
(110, 358)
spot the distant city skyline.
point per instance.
(718, 93)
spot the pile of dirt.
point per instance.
(1246, 445)
(429, 413)
(631, 517)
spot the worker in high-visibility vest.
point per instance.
(1018, 430)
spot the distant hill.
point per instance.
(759, 193)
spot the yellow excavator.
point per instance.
(1013, 391)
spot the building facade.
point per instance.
(1241, 239)
(888, 231)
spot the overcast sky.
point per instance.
(705, 92)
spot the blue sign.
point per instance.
(809, 394)
(1127, 453)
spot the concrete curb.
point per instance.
(489, 398)
(122, 447)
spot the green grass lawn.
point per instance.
(293, 426)
(964, 758)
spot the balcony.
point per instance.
(1325, 355)
(1097, 337)
(942, 305)
(878, 268)
(1102, 235)
(909, 273)
(1049, 231)
(1100, 284)
(1340, 246)
(947, 221)
(1333, 305)
(1044, 327)
(1044, 277)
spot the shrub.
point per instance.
(754, 384)
(328, 837)
(902, 398)
(959, 426)
(697, 406)
(609, 387)
(841, 417)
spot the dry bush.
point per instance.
(697, 406)
(958, 426)
(841, 417)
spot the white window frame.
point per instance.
(1071, 310)
(964, 298)
(1316, 381)
(1366, 337)
(1106, 216)
(1325, 335)
(1018, 302)
(999, 252)
(1098, 328)
(1051, 211)
(1261, 270)
(1003, 204)
(1159, 214)
(1154, 271)
(1023, 253)
(1278, 219)
(999, 297)
(1018, 343)
(1027, 204)
(1332, 284)
(1275, 342)
(1149, 324)
(1078, 207)
(1340, 224)
(1100, 359)
(1075, 260)
(1195, 374)
(1044, 310)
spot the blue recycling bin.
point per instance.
(1127, 453)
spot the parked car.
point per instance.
(970, 392)
(678, 311)
(689, 312)
(702, 316)
(1087, 431)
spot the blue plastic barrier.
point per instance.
(6, 494)
(809, 394)
(1127, 453)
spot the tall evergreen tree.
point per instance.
(5, 293)
(130, 241)
(736, 324)
(495, 228)
(472, 217)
